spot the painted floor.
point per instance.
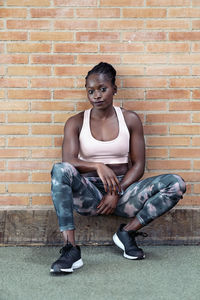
(167, 273)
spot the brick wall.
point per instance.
(46, 49)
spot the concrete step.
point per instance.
(40, 227)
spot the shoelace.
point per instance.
(64, 249)
(133, 233)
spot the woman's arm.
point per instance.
(70, 151)
(137, 149)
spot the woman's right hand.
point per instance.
(109, 179)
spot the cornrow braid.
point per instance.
(103, 68)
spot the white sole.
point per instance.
(119, 244)
(78, 264)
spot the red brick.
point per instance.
(169, 165)
(28, 47)
(196, 48)
(14, 153)
(168, 24)
(196, 94)
(14, 200)
(197, 164)
(168, 47)
(41, 177)
(13, 36)
(28, 2)
(29, 188)
(167, 141)
(168, 94)
(129, 70)
(196, 141)
(144, 59)
(185, 129)
(182, 12)
(13, 129)
(28, 24)
(98, 13)
(51, 36)
(2, 188)
(121, 24)
(121, 47)
(184, 36)
(195, 3)
(2, 165)
(97, 36)
(13, 59)
(168, 3)
(196, 70)
(144, 82)
(130, 94)
(75, 3)
(152, 153)
(52, 82)
(155, 129)
(29, 165)
(13, 82)
(47, 129)
(13, 13)
(69, 94)
(186, 58)
(168, 118)
(6, 177)
(94, 59)
(144, 13)
(185, 153)
(196, 24)
(71, 71)
(46, 153)
(58, 141)
(52, 13)
(168, 70)
(29, 142)
(42, 200)
(14, 106)
(185, 106)
(145, 105)
(52, 106)
(144, 36)
(29, 118)
(29, 94)
(184, 82)
(52, 59)
(62, 117)
(76, 24)
(121, 3)
(29, 70)
(196, 117)
(75, 47)
(2, 70)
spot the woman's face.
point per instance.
(100, 90)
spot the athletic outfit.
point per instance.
(146, 199)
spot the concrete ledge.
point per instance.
(39, 227)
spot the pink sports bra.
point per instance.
(109, 152)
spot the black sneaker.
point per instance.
(69, 260)
(125, 240)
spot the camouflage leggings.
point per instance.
(146, 199)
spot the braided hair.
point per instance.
(103, 68)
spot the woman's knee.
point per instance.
(175, 185)
(61, 169)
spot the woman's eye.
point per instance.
(90, 92)
(103, 89)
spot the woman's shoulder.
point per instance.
(130, 116)
(75, 121)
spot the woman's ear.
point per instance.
(115, 90)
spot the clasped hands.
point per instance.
(112, 187)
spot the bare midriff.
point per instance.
(118, 169)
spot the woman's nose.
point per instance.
(97, 94)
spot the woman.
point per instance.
(103, 159)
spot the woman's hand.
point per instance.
(108, 204)
(109, 179)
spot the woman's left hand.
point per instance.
(108, 204)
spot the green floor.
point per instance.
(168, 272)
